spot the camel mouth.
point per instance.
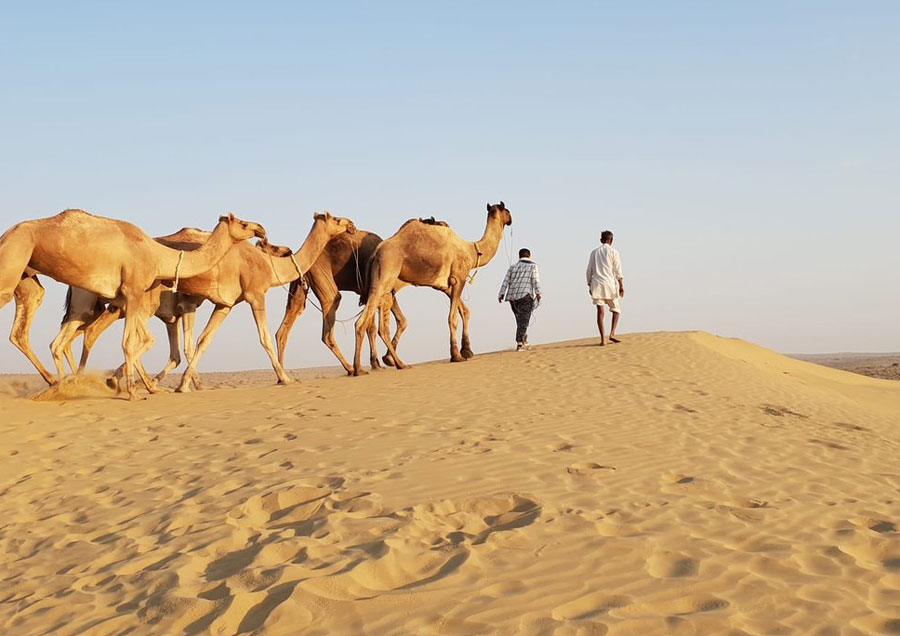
(351, 227)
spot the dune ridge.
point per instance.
(678, 483)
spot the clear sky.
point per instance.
(746, 155)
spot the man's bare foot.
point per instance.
(602, 343)
(614, 340)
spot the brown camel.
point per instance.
(247, 275)
(426, 254)
(340, 267)
(111, 258)
(343, 266)
(169, 306)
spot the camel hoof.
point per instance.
(183, 389)
(286, 382)
(388, 360)
(134, 397)
(467, 354)
(359, 372)
(112, 382)
(457, 358)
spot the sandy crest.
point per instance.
(674, 484)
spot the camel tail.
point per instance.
(366, 280)
(67, 304)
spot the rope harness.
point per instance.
(478, 255)
(178, 270)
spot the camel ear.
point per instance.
(489, 206)
(327, 214)
(502, 205)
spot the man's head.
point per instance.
(524, 253)
(606, 237)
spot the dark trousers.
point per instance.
(522, 308)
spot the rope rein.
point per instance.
(478, 255)
(178, 270)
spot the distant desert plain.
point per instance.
(676, 483)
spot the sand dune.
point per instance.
(674, 484)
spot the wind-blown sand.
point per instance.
(674, 484)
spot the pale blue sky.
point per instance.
(745, 154)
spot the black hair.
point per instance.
(524, 253)
(606, 236)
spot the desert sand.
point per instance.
(677, 483)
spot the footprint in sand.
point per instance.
(590, 605)
(670, 565)
(430, 542)
(589, 469)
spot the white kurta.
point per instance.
(603, 272)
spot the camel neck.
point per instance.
(195, 262)
(285, 268)
(489, 242)
(315, 242)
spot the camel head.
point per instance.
(335, 224)
(273, 250)
(499, 210)
(241, 230)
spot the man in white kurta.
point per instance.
(604, 279)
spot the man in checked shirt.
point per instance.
(521, 288)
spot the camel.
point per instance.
(246, 275)
(340, 267)
(426, 254)
(111, 258)
(169, 306)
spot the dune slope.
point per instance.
(678, 483)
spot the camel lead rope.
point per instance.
(477, 261)
(303, 282)
(178, 270)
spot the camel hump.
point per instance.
(186, 234)
(425, 221)
(432, 221)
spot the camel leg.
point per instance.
(373, 345)
(331, 300)
(215, 321)
(188, 316)
(296, 305)
(402, 323)
(464, 313)
(363, 324)
(174, 349)
(61, 342)
(147, 341)
(92, 331)
(382, 276)
(132, 341)
(67, 352)
(29, 295)
(453, 319)
(384, 328)
(258, 304)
